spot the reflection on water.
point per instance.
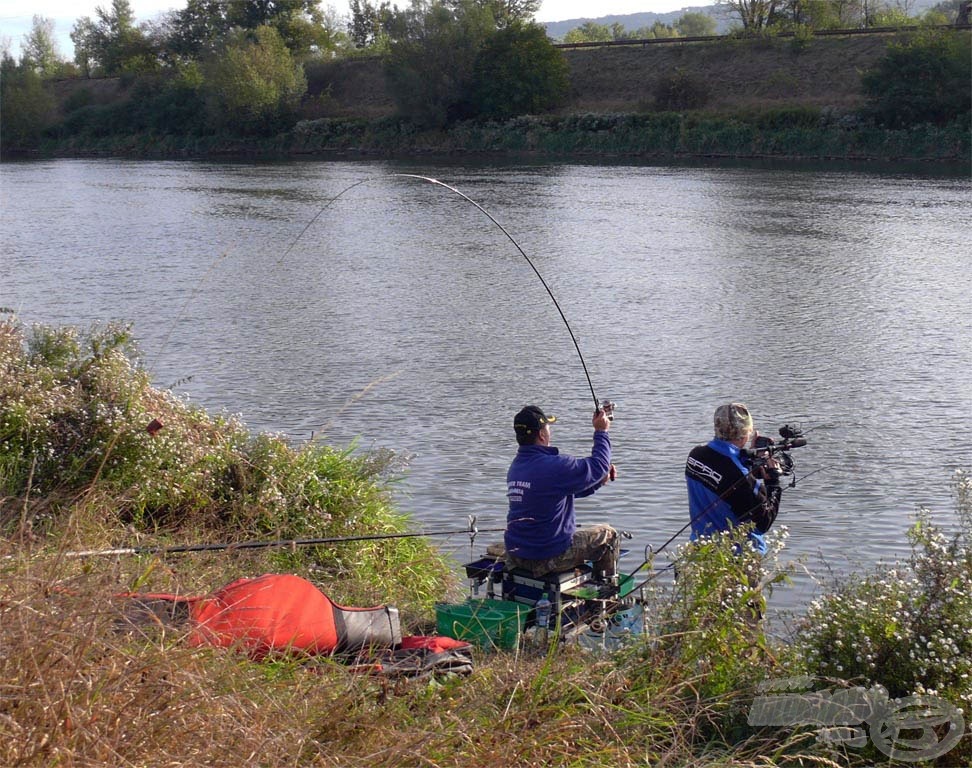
(404, 318)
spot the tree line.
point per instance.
(241, 66)
(775, 16)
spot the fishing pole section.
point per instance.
(471, 530)
(607, 406)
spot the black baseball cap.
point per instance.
(530, 420)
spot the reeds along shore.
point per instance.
(786, 134)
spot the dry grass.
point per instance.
(81, 687)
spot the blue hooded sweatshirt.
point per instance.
(541, 485)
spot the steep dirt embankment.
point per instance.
(824, 71)
(737, 74)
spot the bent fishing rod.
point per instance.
(488, 215)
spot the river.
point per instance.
(402, 317)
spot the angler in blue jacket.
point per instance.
(723, 491)
(541, 527)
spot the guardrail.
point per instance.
(815, 33)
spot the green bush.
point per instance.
(518, 72)
(26, 106)
(75, 445)
(253, 85)
(431, 60)
(705, 644)
(923, 80)
(788, 117)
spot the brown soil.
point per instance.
(739, 74)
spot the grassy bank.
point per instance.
(79, 469)
(797, 133)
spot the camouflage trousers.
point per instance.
(599, 544)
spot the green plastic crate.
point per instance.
(486, 623)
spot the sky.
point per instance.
(16, 15)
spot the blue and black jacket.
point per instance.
(723, 493)
(541, 485)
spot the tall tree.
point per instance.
(39, 48)
(432, 54)
(25, 104)
(300, 23)
(369, 23)
(254, 84)
(590, 32)
(112, 43)
(695, 25)
(199, 28)
(517, 72)
(505, 12)
(754, 14)
(84, 35)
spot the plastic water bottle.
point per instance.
(542, 609)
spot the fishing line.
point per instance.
(488, 215)
(287, 251)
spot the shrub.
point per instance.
(705, 644)
(75, 452)
(904, 627)
(26, 106)
(923, 80)
(254, 85)
(788, 117)
(517, 72)
(430, 64)
(681, 90)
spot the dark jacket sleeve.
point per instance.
(763, 513)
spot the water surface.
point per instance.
(404, 318)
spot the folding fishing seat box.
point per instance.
(520, 585)
(574, 594)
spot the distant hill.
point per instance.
(719, 13)
(723, 17)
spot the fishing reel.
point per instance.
(766, 448)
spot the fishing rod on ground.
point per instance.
(471, 530)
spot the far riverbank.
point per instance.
(785, 134)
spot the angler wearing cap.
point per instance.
(541, 527)
(724, 492)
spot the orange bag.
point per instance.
(279, 612)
